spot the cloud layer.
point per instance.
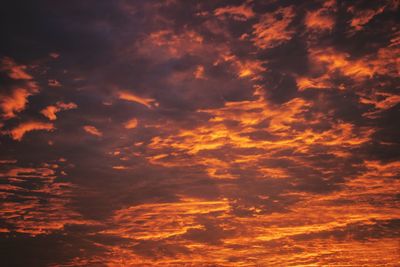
(211, 133)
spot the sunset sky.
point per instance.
(199, 133)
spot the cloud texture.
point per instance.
(199, 133)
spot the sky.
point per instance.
(199, 133)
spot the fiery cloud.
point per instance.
(18, 132)
(14, 103)
(14, 71)
(321, 19)
(39, 211)
(128, 96)
(242, 12)
(131, 124)
(50, 111)
(271, 31)
(21, 87)
(92, 130)
(235, 133)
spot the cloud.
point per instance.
(92, 130)
(321, 19)
(129, 96)
(270, 32)
(16, 102)
(181, 217)
(381, 102)
(14, 71)
(34, 201)
(131, 124)
(29, 173)
(362, 17)
(15, 98)
(240, 13)
(53, 83)
(50, 111)
(245, 133)
(199, 72)
(18, 132)
(327, 63)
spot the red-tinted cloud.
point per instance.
(92, 130)
(235, 133)
(50, 111)
(128, 96)
(16, 99)
(273, 28)
(19, 131)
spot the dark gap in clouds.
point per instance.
(280, 87)
(158, 249)
(211, 233)
(288, 58)
(44, 250)
(43, 27)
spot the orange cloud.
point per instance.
(199, 72)
(92, 130)
(234, 179)
(327, 62)
(16, 102)
(29, 172)
(270, 31)
(44, 208)
(334, 60)
(18, 132)
(131, 124)
(381, 102)
(240, 13)
(388, 102)
(250, 68)
(244, 68)
(169, 219)
(119, 167)
(129, 96)
(14, 70)
(50, 111)
(181, 147)
(321, 19)
(362, 17)
(317, 20)
(322, 82)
